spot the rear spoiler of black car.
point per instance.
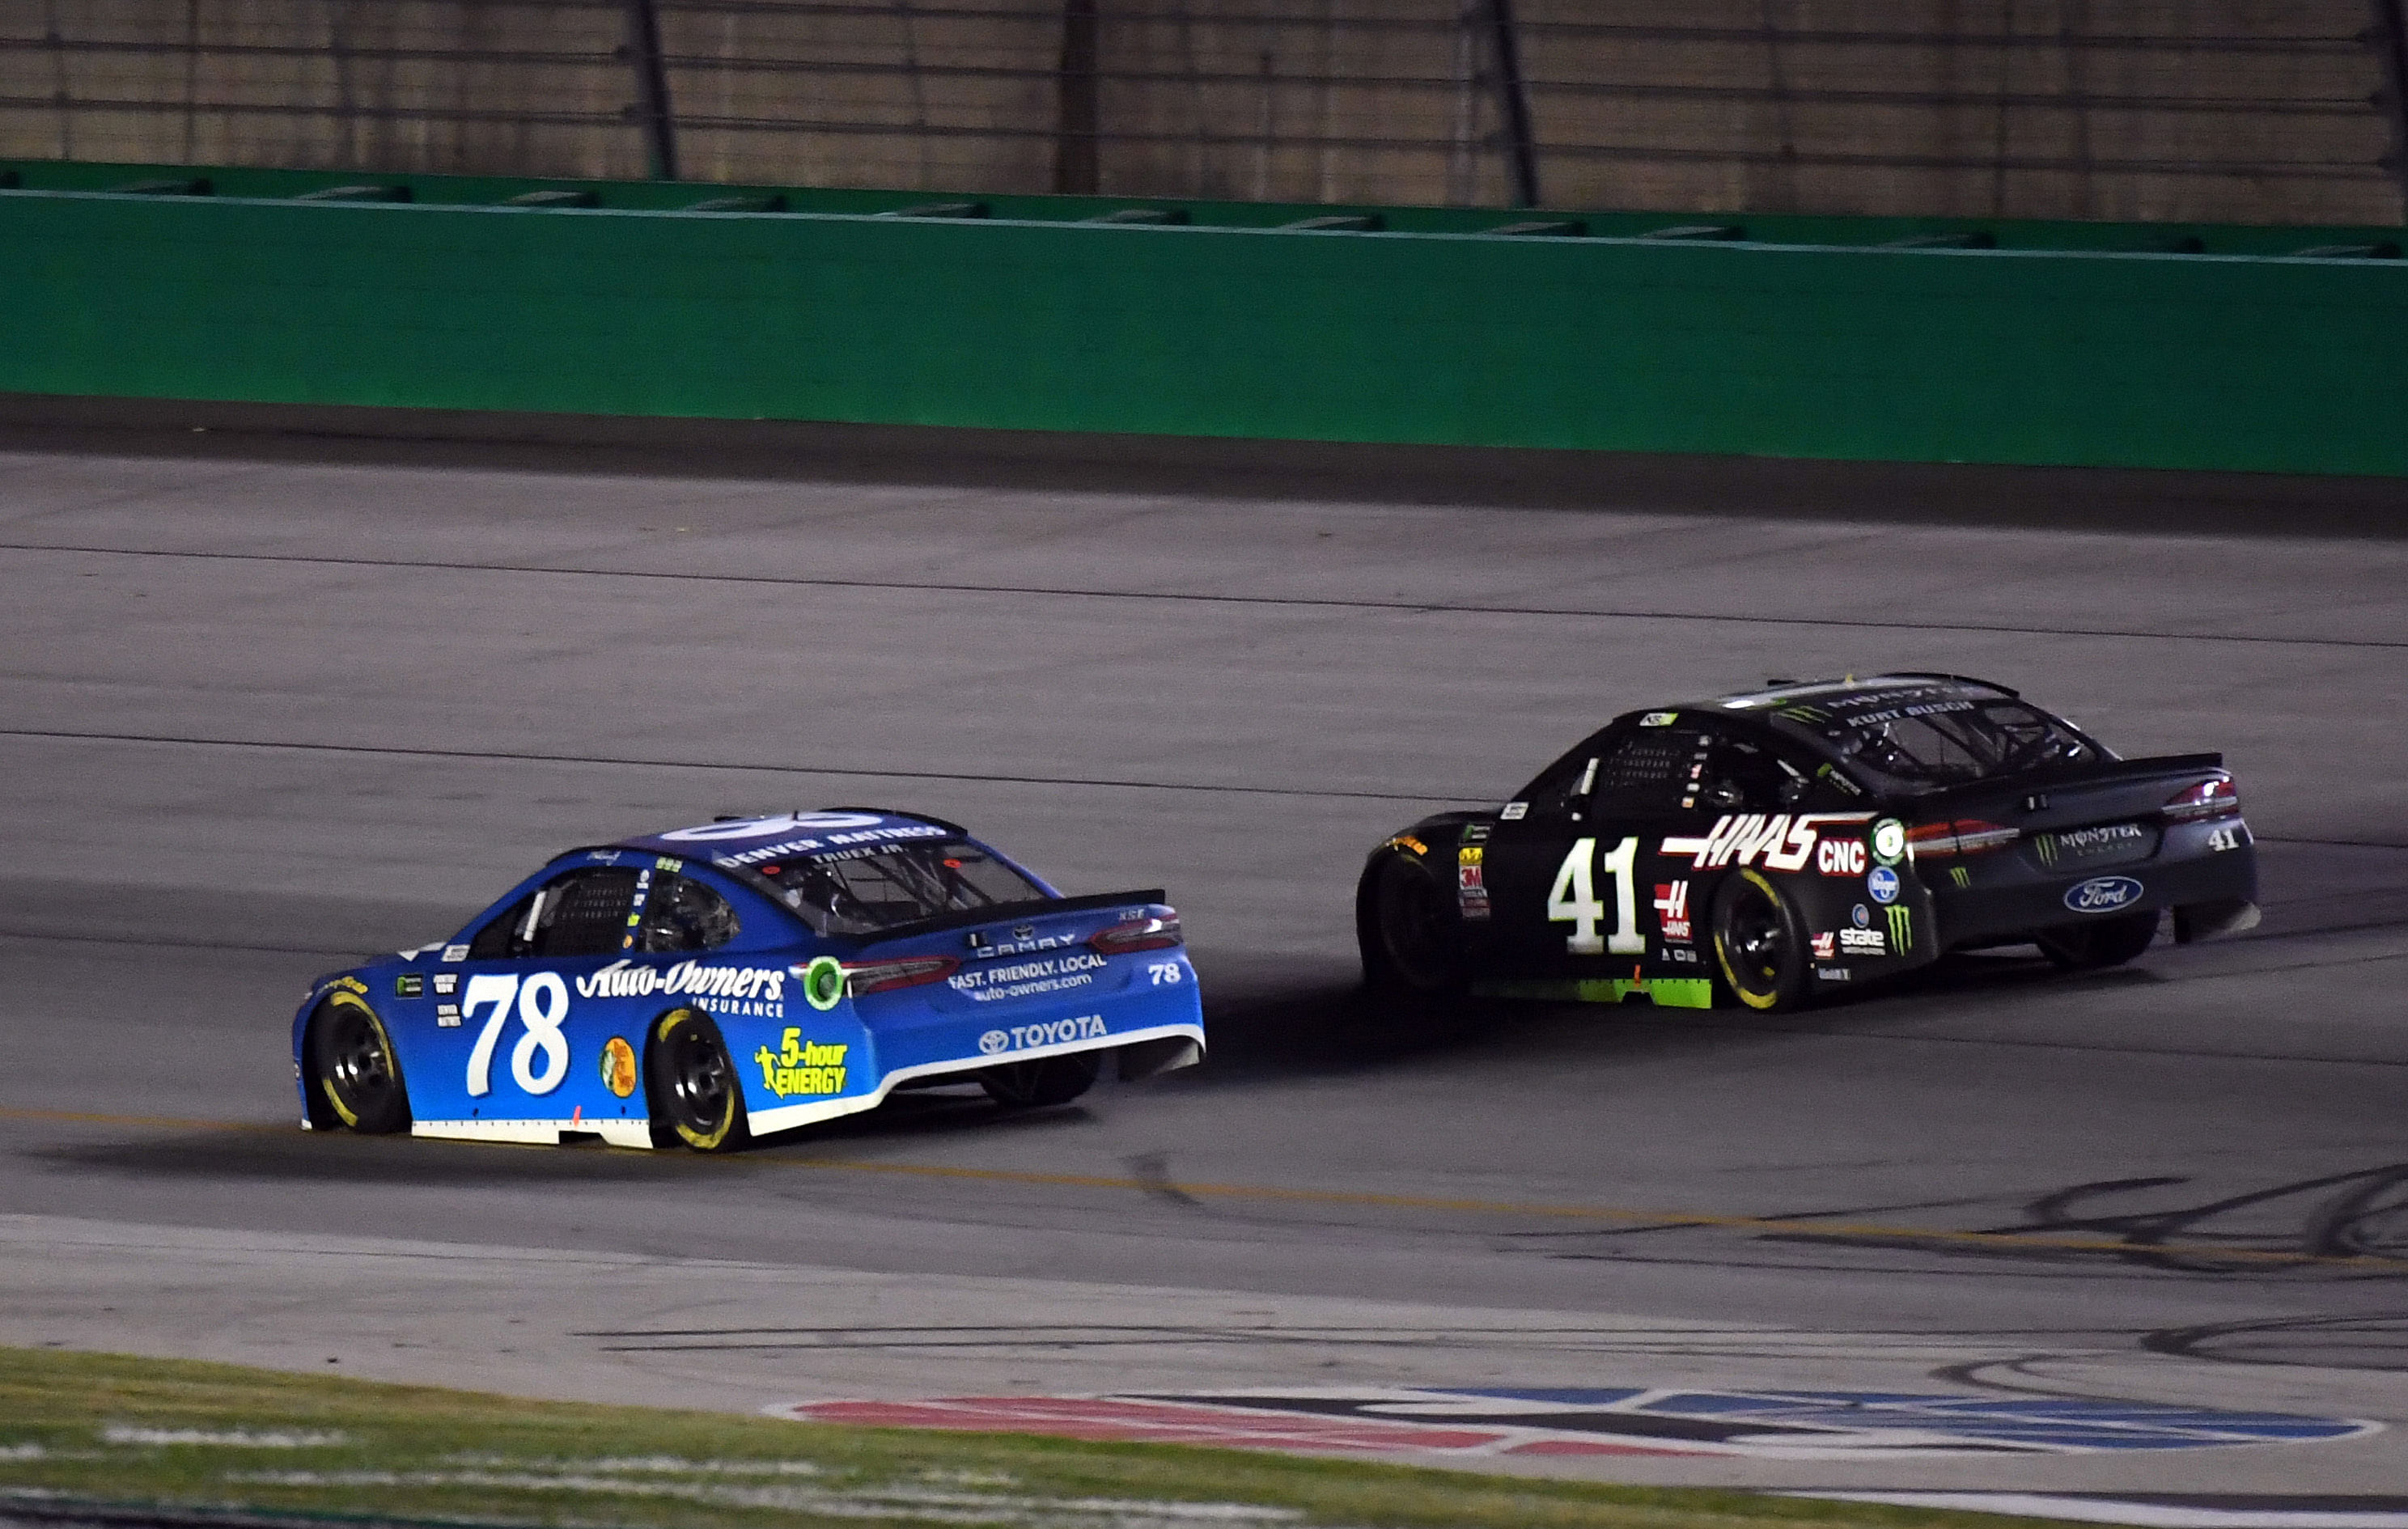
(2105, 773)
(1005, 912)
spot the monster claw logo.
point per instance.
(801, 1067)
(1901, 928)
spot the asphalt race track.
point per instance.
(263, 710)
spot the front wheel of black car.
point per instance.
(1047, 1080)
(1405, 922)
(2099, 943)
(353, 1070)
(694, 1095)
(1759, 943)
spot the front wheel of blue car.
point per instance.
(694, 1095)
(352, 1069)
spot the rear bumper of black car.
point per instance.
(2206, 872)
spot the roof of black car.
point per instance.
(1853, 692)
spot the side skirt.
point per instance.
(1663, 991)
(617, 1132)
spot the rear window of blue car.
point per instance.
(861, 891)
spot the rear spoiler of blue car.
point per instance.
(1006, 912)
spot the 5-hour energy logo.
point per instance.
(800, 1066)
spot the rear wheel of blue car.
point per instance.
(2097, 944)
(695, 1094)
(1407, 927)
(352, 1071)
(1047, 1080)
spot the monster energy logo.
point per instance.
(1806, 714)
(1901, 929)
(2047, 845)
(1959, 875)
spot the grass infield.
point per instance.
(108, 1428)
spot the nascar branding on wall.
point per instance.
(1602, 1421)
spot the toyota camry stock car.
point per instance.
(1785, 843)
(748, 976)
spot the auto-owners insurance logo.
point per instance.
(2104, 895)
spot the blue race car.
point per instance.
(748, 976)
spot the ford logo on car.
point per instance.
(2104, 895)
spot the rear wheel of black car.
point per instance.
(1405, 922)
(1047, 1080)
(352, 1069)
(1759, 943)
(694, 1095)
(2097, 944)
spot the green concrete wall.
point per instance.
(2002, 356)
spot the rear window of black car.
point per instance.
(1945, 741)
(861, 891)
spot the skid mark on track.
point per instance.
(2129, 1237)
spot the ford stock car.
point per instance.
(748, 976)
(1804, 839)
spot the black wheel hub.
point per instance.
(355, 1059)
(700, 1083)
(1756, 940)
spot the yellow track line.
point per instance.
(1787, 1227)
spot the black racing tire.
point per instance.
(1411, 936)
(2097, 944)
(353, 1069)
(1044, 1082)
(691, 1085)
(1760, 950)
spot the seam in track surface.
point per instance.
(865, 772)
(1194, 597)
(1434, 801)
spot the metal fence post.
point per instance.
(1075, 170)
(652, 90)
(2389, 35)
(1513, 98)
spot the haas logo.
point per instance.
(1783, 842)
(1839, 857)
(1672, 908)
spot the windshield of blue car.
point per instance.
(1951, 741)
(861, 891)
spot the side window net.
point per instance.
(682, 914)
(1650, 772)
(582, 913)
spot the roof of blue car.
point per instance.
(751, 841)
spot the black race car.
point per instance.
(1789, 842)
